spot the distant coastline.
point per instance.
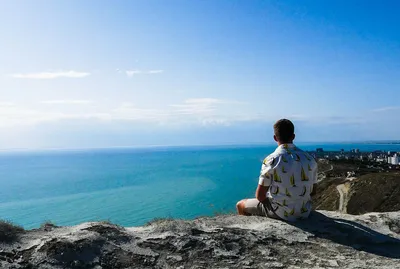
(383, 142)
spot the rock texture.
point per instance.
(325, 240)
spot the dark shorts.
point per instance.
(256, 208)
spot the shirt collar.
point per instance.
(286, 146)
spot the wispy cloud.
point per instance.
(52, 75)
(131, 73)
(155, 71)
(128, 111)
(6, 104)
(24, 116)
(204, 111)
(197, 106)
(203, 107)
(327, 120)
(388, 108)
(67, 102)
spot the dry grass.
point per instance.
(159, 220)
(109, 223)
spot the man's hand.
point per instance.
(261, 192)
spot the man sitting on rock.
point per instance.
(287, 181)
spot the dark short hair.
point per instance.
(284, 130)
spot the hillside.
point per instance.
(369, 190)
(327, 196)
(369, 193)
(375, 193)
(326, 240)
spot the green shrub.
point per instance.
(9, 232)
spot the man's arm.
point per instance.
(261, 192)
(265, 180)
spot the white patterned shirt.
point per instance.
(290, 173)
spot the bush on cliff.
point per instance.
(9, 232)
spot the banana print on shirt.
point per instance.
(292, 181)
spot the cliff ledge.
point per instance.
(325, 240)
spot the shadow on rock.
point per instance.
(351, 234)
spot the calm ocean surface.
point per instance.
(132, 186)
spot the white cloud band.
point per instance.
(67, 102)
(52, 75)
(131, 73)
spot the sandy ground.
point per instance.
(343, 190)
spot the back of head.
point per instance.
(284, 131)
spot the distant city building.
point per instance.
(394, 160)
(388, 159)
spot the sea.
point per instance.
(131, 186)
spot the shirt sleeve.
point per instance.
(315, 173)
(266, 172)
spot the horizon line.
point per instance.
(382, 142)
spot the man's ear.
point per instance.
(294, 136)
(276, 139)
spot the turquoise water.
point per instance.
(132, 186)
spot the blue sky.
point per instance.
(155, 72)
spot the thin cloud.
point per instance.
(327, 120)
(128, 111)
(131, 73)
(204, 111)
(204, 101)
(196, 106)
(202, 106)
(52, 75)
(155, 71)
(6, 104)
(26, 116)
(67, 102)
(388, 108)
(211, 101)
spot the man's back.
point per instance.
(286, 181)
(290, 173)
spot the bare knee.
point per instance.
(240, 206)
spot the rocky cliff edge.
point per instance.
(325, 240)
